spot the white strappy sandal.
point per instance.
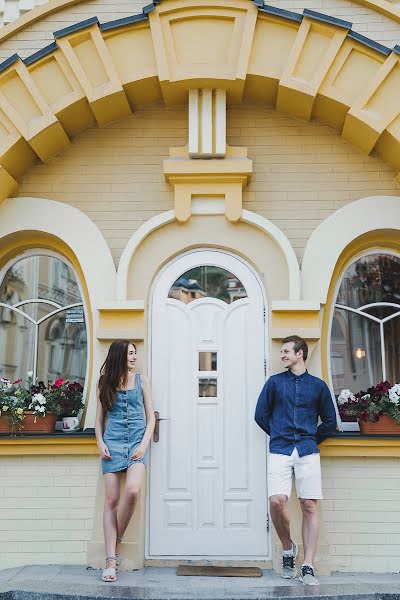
(110, 573)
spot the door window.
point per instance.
(207, 281)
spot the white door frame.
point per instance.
(195, 263)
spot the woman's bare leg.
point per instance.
(111, 501)
(133, 485)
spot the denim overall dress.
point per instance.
(124, 429)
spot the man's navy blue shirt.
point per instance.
(288, 409)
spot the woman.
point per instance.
(123, 396)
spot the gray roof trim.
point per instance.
(76, 27)
(281, 12)
(370, 43)
(29, 60)
(8, 62)
(123, 22)
(312, 14)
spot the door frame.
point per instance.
(267, 354)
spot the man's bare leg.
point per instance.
(280, 519)
(310, 529)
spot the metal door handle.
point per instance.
(156, 433)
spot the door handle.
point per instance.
(156, 433)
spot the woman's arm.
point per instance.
(150, 419)
(99, 428)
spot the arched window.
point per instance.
(207, 281)
(365, 328)
(42, 320)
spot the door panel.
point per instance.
(208, 470)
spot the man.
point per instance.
(287, 410)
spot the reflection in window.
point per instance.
(207, 281)
(365, 329)
(42, 323)
(207, 388)
(207, 361)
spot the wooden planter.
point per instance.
(385, 425)
(31, 423)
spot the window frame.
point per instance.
(51, 254)
(371, 251)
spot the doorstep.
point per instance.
(76, 583)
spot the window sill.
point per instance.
(355, 444)
(57, 443)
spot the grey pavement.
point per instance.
(76, 583)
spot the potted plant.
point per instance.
(34, 407)
(377, 410)
(11, 406)
(68, 397)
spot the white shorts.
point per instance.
(306, 470)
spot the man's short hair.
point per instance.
(298, 344)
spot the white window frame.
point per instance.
(360, 311)
(58, 308)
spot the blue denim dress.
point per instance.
(124, 429)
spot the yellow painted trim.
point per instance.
(387, 239)
(53, 445)
(372, 447)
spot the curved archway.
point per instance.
(270, 59)
(336, 233)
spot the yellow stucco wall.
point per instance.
(303, 171)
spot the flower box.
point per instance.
(31, 423)
(384, 425)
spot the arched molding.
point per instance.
(354, 87)
(336, 233)
(283, 242)
(270, 230)
(68, 227)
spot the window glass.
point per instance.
(40, 277)
(207, 361)
(207, 281)
(207, 388)
(373, 278)
(365, 340)
(52, 342)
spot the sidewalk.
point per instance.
(76, 583)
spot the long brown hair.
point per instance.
(114, 372)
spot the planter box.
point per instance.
(385, 425)
(31, 423)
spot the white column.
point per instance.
(207, 123)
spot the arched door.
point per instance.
(207, 488)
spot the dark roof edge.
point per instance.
(8, 62)
(123, 22)
(312, 14)
(281, 12)
(76, 27)
(368, 42)
(29, 60)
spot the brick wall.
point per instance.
(303, 172)
(361, 513)
(46, 509)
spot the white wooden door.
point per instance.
(208, 495)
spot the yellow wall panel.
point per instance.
(89, 59)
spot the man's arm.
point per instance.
(264, 406)
(327, 414)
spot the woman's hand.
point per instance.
(139, 452)
(104, 452)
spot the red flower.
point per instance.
(17, 381)
(58, 382)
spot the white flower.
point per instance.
(30, 374)
(394, 393)
(345, 396)
(40, 408)
(39, 398)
